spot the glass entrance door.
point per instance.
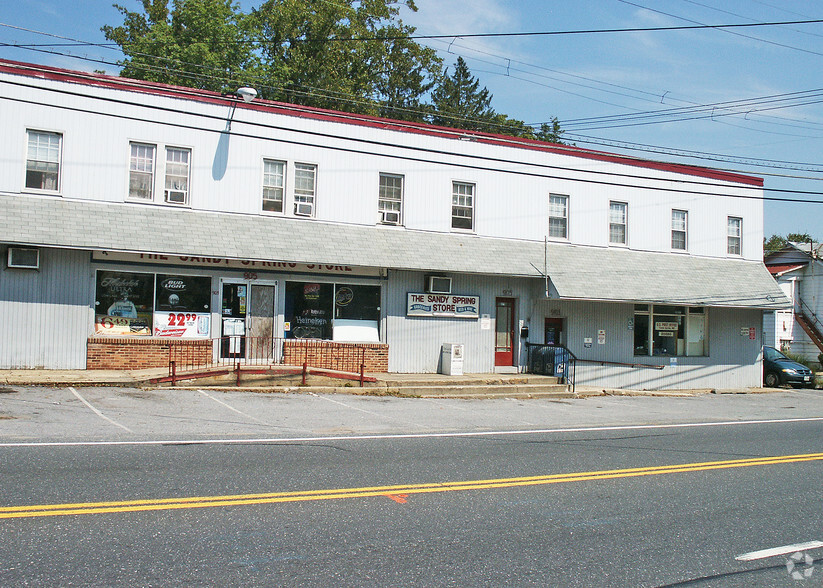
(233, 309)
(248, 312)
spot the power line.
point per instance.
(342, 98)
(381, 145)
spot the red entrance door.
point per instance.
(504, 332)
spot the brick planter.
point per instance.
(134, 353)
(344, 357)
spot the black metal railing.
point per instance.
(552, 360)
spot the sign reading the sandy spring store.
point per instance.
(443, 305)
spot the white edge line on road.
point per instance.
(408, 435)
(786, 549)
(97, 412)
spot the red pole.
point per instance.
(305, 366)
(173, 366)
(237, 373)
(362, 365)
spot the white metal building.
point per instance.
(146, 212)
(798, 270)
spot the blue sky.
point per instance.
(582, 77)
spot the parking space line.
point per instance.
(377, 414)
(240, 412)
(97, 412)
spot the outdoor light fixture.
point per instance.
(247, 94)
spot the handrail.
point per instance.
(804, 306)
(622, 364)
(570, 362)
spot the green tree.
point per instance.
(799, 238)
(194, 43)
(774, 243)
(459, 101)
(348, 54)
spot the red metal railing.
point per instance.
(261, 354)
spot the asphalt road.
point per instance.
(239, 489)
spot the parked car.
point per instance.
(779, 370)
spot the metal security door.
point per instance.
(504, 332)
(260, 340)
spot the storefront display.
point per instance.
(123, 303)
(182, 306)
(342, 312)
(132, 303)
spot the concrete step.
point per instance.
(456, 381)
(479, 391)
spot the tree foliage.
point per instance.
(197, 44)
(778, 242)
(352, 55)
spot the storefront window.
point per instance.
(669, 331)
(123, 303)
(182, 306)
(309, 310)
(356, 313)
(342, 312)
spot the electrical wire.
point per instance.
(380, 147)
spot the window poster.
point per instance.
(309, 310)
(182, 306)
(123, 303)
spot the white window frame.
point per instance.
(271, 186)
(151, 172)
(50, 159)
(556, 214)
(305, 197)
(184, 189)
(390, 199)
(678, 228)
(464, 199)
(615, 223)
(734, 235)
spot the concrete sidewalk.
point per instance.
(406, 385)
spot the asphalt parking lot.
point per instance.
(65, 414)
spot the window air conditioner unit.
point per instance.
(23, 257)
(303, 208)
(176, 196)
(438, 285)
(390, 217)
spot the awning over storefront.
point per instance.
(611, 274)
(588, 273)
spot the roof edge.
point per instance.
(208, 96)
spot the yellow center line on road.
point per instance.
(45, 510)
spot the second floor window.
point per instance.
(43, 161)
(462, 206)
(273, 180)
(177, 175)
(558, 216)
(305, 182)
(734, 235)
(141, 171)
(617, 222)
(390, 205)
(679, 229)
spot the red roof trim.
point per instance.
(127, 84)
(780, 269)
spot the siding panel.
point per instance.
(46, 315)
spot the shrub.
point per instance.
(799, 358)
